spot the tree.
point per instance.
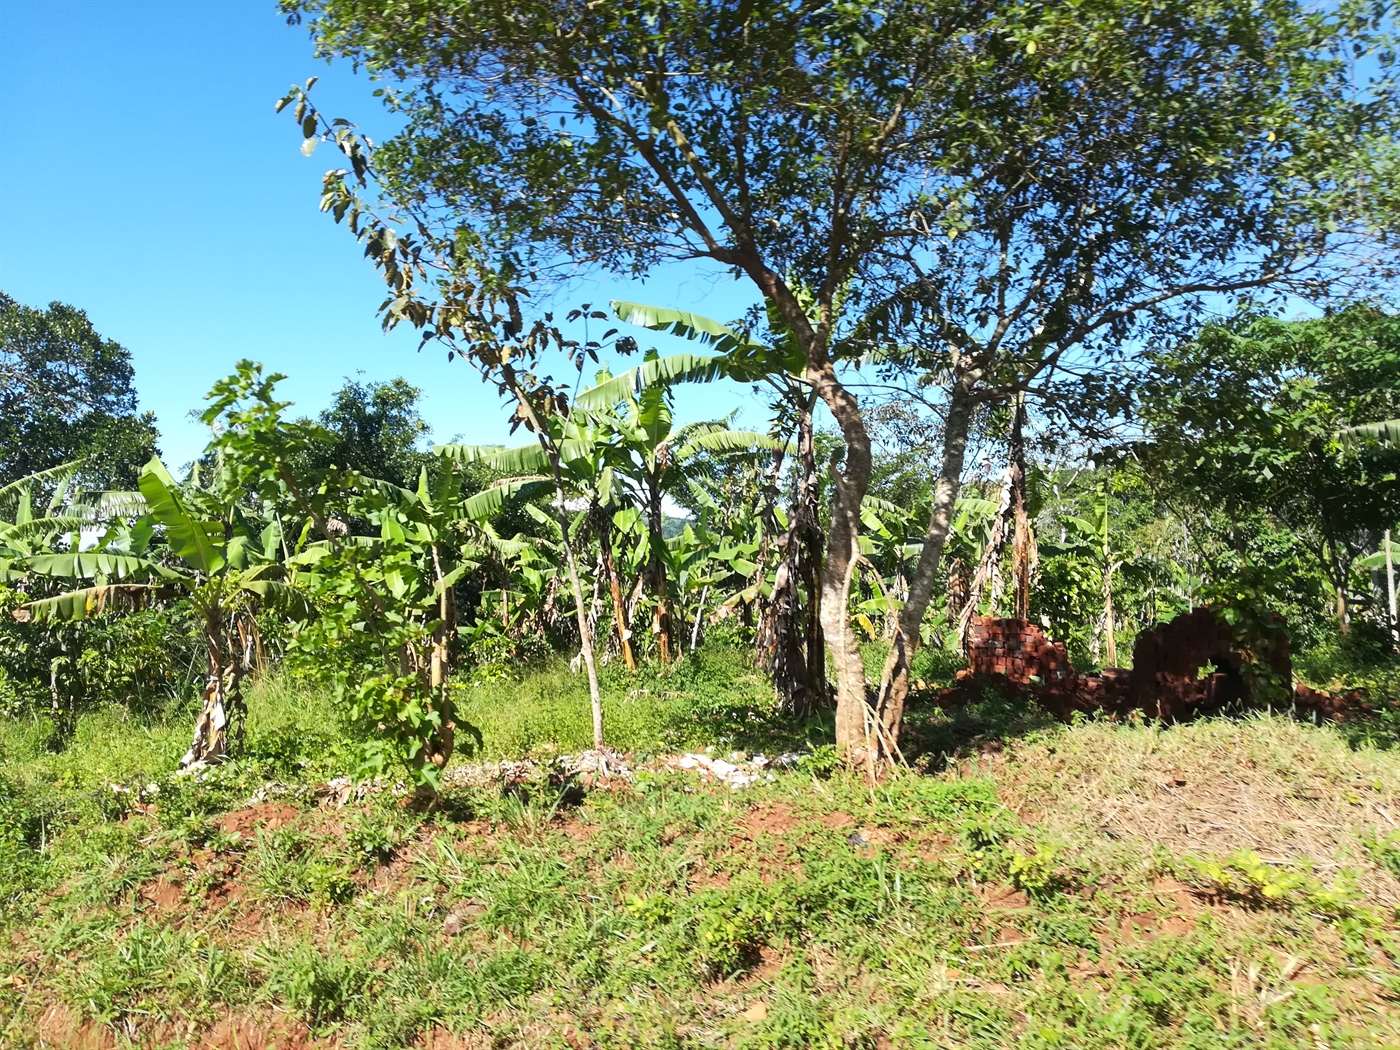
(66, 394)
(385, 636)
(1251, 414)
(220, 556)
(957, 183)
(791, 634)
(374, 429)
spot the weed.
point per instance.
(1035, 872)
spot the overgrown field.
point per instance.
(1227, 883)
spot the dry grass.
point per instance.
(1297, 796)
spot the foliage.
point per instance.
(373, 429)
(66, 393)
(592, 900)
(1246, 418)
(953, 193)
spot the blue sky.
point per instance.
(145, 178)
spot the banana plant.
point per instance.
(1387, 432)
(587, 453)
(220, 557)
(656, 456)
(67, 515)
(791, 635)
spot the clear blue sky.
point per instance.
(145, 178)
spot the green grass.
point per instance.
(1231, 883)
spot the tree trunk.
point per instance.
(585, 636)
(221, 683)
(1390, 592)
(894, 679)
(624, 636)
(439, 672)
(659, 575)
(852, 480)
(699, 617)
(1021, 539)
(799, 656)
(1339, 586)
(1110, 644)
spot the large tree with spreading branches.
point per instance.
(987, 195)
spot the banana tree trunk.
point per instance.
(223, 695)
(624, 636)
(440, 747)
(894, 679)
(659, 575)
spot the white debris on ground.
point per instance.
(736, 771)
(593, 768)
(343, 791)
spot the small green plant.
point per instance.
(729, 931)
(650, 911)
(376, 836)
(1384, 850)
(1244, 875)
(1034, 873)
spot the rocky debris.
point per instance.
(737, 771)
(591, 768)
(343, 791)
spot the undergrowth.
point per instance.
(1023, 883)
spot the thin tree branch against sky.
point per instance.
(145, 178)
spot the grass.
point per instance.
(1231, 883)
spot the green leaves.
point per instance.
(654, 372)
(197, 542)
(88, 601)
(1387, 432)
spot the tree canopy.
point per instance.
(67, 393)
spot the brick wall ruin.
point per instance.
(1016, 658)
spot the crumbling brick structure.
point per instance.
(1015, 657)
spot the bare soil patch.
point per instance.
(267, 815)
(163, 895)
(258, 1032)
(776, 819)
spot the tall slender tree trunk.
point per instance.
(1021, 539)
(1110, 643)
(595, 695)
(624, 636)
(659, 575)
(851, 482)
(1390, 592)
(894, 679)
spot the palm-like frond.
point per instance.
(733, 441)
(88, 601)
(659, 371)
(683, 323)
(190, 538)
(96, 565)
(22, 488)
(1387, 432)
(487, 502)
